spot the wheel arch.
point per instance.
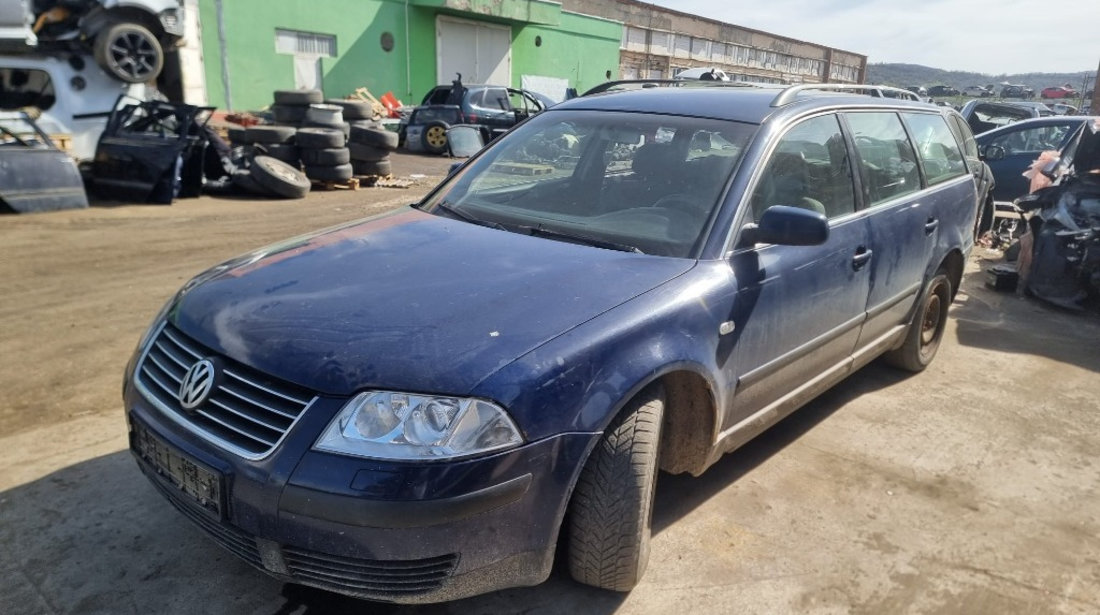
(953, 264)
(97, 21)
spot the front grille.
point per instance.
(247, 413)
(362, 576)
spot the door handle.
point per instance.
(862, 257)
(931, 225)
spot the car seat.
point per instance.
(786, 182)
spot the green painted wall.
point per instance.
(583, 50)
(580, 49)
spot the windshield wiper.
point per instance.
(585, 239)
(454, 211)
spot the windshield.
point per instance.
(631, 181)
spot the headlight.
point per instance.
(384, 425)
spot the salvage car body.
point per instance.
(1065, 222)
(151, 152)
(34, 174)
(672, 246)
(73, 26)
(74, 97)
(492, 109)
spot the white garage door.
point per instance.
(481, 52)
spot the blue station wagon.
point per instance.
(417, 406)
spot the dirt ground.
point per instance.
(970, 488)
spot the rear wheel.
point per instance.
(612, 505)
(926, 329)
(129, 52)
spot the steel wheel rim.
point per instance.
(436, 136)
(930, 324)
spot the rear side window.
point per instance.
(809, 169)
(966, 137)
(887, 161)
(490, 99)
(939, 152)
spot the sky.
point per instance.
(986, 36)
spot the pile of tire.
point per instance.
(370, 148)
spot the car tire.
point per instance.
(354, 109)
(332, 173)
(289, 114)
(380, 168)
(279, 177)
(925, 332)
(326, 157)
(343, 127)
(377, 137)
(433, 138)
(320, 138)
(289, 154)
(299, 98)
(129, 52)
(367, 153)
(237, 136)
(612, 504)
(244, 181)
(269, 135)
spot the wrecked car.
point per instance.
(492, 109)
(1010, 149)
(153, 152)
(34, 174)
(127, 38)
(1063, 267)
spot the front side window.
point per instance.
(490, 99)
(1032, 140)
(887, 162)
(628, 180)
(809, 169)
(938, 151)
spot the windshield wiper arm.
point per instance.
(458, 213)
(585, 239)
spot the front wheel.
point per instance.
(926, 329)
(612, 505)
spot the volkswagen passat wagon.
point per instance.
(425, 405)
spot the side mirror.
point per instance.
(993, 152)
(788, 226)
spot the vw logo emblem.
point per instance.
(197, 384)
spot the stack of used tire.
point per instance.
(370, 148)
(291, 106)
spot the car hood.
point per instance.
(407, 301)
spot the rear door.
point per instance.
(902, 222)
(1021, 147)
(799, 309)
(35, 175)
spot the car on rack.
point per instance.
(127, 38)
(493, 109)
(427, 404)
(1059, 91)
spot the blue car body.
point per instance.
(1021, 151)
(560, 334)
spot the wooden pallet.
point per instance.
(351, 184)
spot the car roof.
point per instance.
(735, 102)
(1036, 121)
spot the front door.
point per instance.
(799, 309)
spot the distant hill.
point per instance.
(902, 75)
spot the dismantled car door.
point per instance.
(34, 174)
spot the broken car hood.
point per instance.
(407, 301)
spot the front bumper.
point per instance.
(410, 533)
(174, 22)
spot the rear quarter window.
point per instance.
(937, 148)
(888, 164)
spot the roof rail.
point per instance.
(789, 95)
(667, 83)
